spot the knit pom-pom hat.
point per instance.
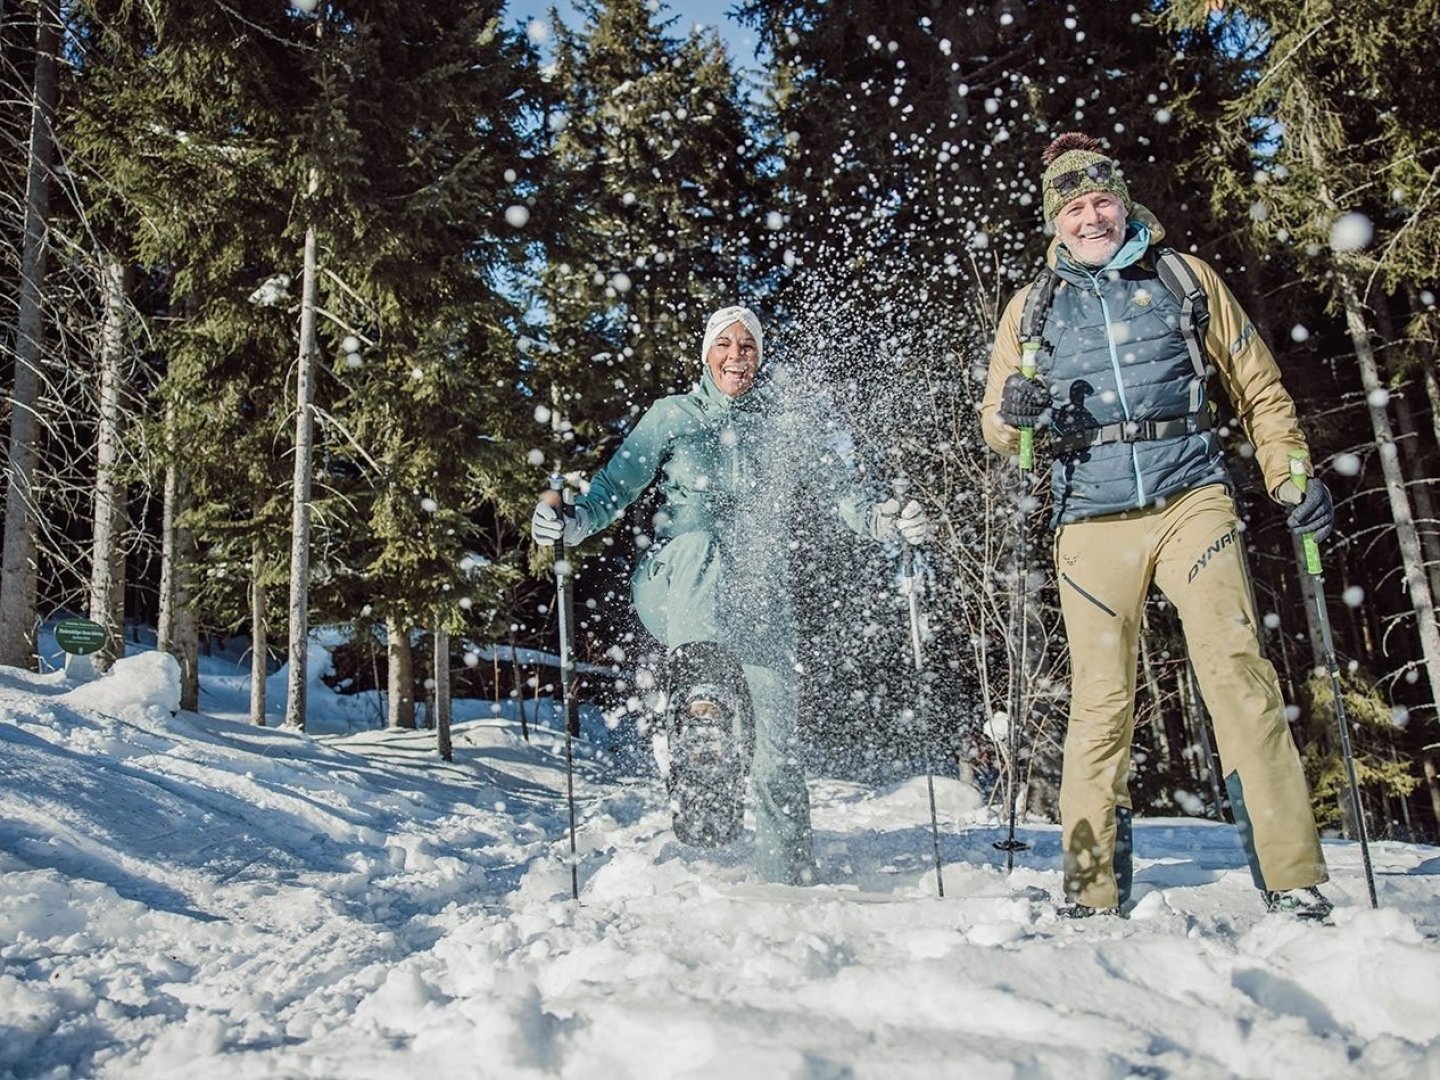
(1075, 165)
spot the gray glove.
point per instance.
(547, 525)
(1315, 513)
(888, 522)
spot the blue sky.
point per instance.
(740, 40)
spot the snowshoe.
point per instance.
(1077, 910)
(710, 731)
(1300, 903)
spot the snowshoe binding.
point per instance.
(710, 731)
(1309, 904)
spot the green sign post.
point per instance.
(79, 637)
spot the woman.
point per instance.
(742, 472)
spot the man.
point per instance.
(1140, 495)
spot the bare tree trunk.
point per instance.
(165, 620)
(1421, 599)
(259, 635)
(107, 563)
(441, 674)
(300, 517)
(1432, 782)
(519, 689)
(1432, 391)
(1403, 800)
(1178, 728)
(18, 612)
(1424, 501)
(184, 640)
(401, 675)
(1190, 688)
(178, 632)
(1414, 456)
(1427, 367)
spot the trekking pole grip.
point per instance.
(557, 486)
(1028, 367)
(1300, 478)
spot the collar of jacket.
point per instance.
(712, 399)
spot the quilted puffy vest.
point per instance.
(1130, 419)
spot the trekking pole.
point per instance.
(911, 579)
(1010, 845)
(1322, 616)
(565, 619)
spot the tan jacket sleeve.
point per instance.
(1004, 362)
(1251, 380)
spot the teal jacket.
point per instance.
(734, 467)
(738, 477)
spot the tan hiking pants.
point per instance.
(1104, 567)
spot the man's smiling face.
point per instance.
(1092, 227)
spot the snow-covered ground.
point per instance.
(186, 895)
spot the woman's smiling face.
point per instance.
(733, 359)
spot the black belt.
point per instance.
(1131, 431)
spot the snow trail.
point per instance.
(186, 895)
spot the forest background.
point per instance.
(301, 303)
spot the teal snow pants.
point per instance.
(691, 589)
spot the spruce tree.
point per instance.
(417, 155)
(18, 577)
(653, 223)
(181, 135)
(650, 170)
(1329, 152)
(908, 138)
(395, 136)
(918, 127)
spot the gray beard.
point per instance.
(1094, 265)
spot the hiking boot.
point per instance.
(1307, 903)
(1076, 910)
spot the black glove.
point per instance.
(1315, 513)
(1022, 401)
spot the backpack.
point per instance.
(1180, 280)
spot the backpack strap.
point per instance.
(1037, 305)
(1177, 276)
(1074, 442)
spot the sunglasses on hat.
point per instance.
(1100, 172)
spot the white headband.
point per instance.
(727, 317)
